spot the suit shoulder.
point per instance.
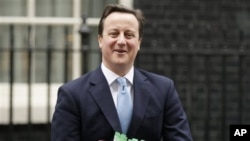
(80, 81)
(154, 76)
(84, 81)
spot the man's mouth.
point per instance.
(120, 51)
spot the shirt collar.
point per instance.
(111, 76)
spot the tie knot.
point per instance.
(122, 81)
(123, 84)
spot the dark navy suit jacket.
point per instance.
(85, 110)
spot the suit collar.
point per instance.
(111, 76)
(141, 101)
(102, 95)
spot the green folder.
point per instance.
(121, 137)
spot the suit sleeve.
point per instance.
(176, 126)
(65, 124)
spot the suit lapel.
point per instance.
(102, 95)
(141, 101)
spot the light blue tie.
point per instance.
(124, 104)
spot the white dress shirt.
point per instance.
(113, 84)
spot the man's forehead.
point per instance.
(118, 15)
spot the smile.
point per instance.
(120, 51)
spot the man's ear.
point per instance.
(139, 46)
(100, 41)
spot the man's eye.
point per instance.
(129, 35)
(113, 34)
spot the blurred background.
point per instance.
(203, 45)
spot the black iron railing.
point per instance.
(213, 85)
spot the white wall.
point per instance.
(39, 102)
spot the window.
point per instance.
(40, 43)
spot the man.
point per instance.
(87, 108)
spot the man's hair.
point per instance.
(123, 9)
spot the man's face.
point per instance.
(120, 41)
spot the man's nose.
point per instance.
(121, 39)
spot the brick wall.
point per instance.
(204, 46)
